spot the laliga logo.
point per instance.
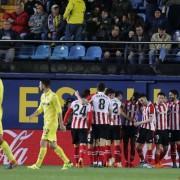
(20, 153)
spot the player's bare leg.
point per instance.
(41, 156)
(7, 151)
(139, 148)
(163, 153)
(60, 153)
(117, 154)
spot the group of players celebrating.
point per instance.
(102, 119)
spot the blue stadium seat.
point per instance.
(176, 36)
(93, 53)
(60, 53)
(177, 59)
(42, 52)
(142, 15)
(76, 52)
(25, 52)
(137, 3)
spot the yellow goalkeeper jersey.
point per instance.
(51, 107)
(1, 98)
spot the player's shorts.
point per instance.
(129, 132)
(49, 134)
(114, 133)
(1, 128)
(79, 136)
(100, 131)
(174, 135)
(162, 137)
(145, 136)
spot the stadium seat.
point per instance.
(59, 53)
(177, 57)
(25, 52)
(93, 53)
(137, 3)
(76, 52)
(142, 15)
(176, 36)
(42, 52)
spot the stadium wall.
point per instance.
(21, 98)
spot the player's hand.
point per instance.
(76, 93)
(63, 128)
(131, 119)
(137, 124)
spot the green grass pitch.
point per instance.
(55, 173)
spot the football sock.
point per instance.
(173, 153)
(76, 154)
(149, 156)
(59, 151)
(117, 154)
(42, 153)
(7, 151)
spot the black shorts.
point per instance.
(100, 131)
(174, 135)
(145, 136)
(129, 132)
(162, 137)
(114, 133)
(79, 136)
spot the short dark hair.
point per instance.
(175, 92)
(135, 95)
(162, 27)
(109, 91)
(142, 95)
(161, 94)
(46, 82)
(118, 93)
(101, 87)
(85, 93)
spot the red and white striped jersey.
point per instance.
(147, 111)
(101, 106)
(131, 110)
(80, 113)
(161, 116)
(115, 112)
(174, 115)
